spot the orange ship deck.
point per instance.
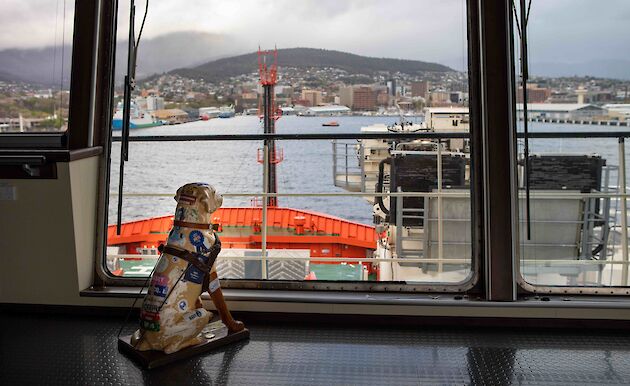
(324, 235)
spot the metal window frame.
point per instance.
(498, 152)
(490, 86)
(523, 286)
(102, 278)
(527, 288)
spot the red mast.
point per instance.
(269, 114)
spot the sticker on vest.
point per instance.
(159, 280)
(214, 285)
(196, 238)
(194, 274)
(193, 315)
(150, 316)
(152, 306)
(150, 326)
(160, 290)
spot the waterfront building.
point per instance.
(287, 110)
(420, 89)
(382, 96)
(562, 110)
(458, 97)
(285, 91)
(535, 94)
(618, 111)
(154, 103)
(439, 98)
(346, 96)
(327, 110)
(314, 97)
(172, 116)
(391, 87)
(448, 119)
(363, 98)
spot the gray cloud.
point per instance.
(34, 23)
(567, 31)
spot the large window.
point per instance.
(572, 173)
(366, 176)
(35, 61)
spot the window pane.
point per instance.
(35, 60)
(328, 222)
(574, 234)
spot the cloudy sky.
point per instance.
(561, 31)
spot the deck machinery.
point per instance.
(428, 236)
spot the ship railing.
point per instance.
(348, 165)
(611, 255)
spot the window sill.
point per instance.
(394, 299)
(53, 155)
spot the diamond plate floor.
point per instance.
(77, 350)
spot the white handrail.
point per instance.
(394, 260)
(543, 195)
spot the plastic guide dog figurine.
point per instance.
(172, 315)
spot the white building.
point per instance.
(287, 110)
(327, 110)
(620, 111)
(447, 118)
(155, 103)
(561, 110)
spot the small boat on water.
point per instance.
(331, 124)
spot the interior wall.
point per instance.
(47, 238)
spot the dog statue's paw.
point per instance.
(236, 326)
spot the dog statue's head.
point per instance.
(197, 201)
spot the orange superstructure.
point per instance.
(324, 235)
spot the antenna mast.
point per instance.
(269, 114)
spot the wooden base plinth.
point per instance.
(151, 359)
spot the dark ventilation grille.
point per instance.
(566, 172)
(418, 173)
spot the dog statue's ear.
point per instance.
(177, 193)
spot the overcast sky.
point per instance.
(563, 31)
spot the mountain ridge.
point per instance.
(302, 57)
(159, 54)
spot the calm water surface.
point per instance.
(162, 167)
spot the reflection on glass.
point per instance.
(35, 61)
(362, 210)
(575, 232)
(576, 214)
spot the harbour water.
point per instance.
(232, 167)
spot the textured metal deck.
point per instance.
(74, 350)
